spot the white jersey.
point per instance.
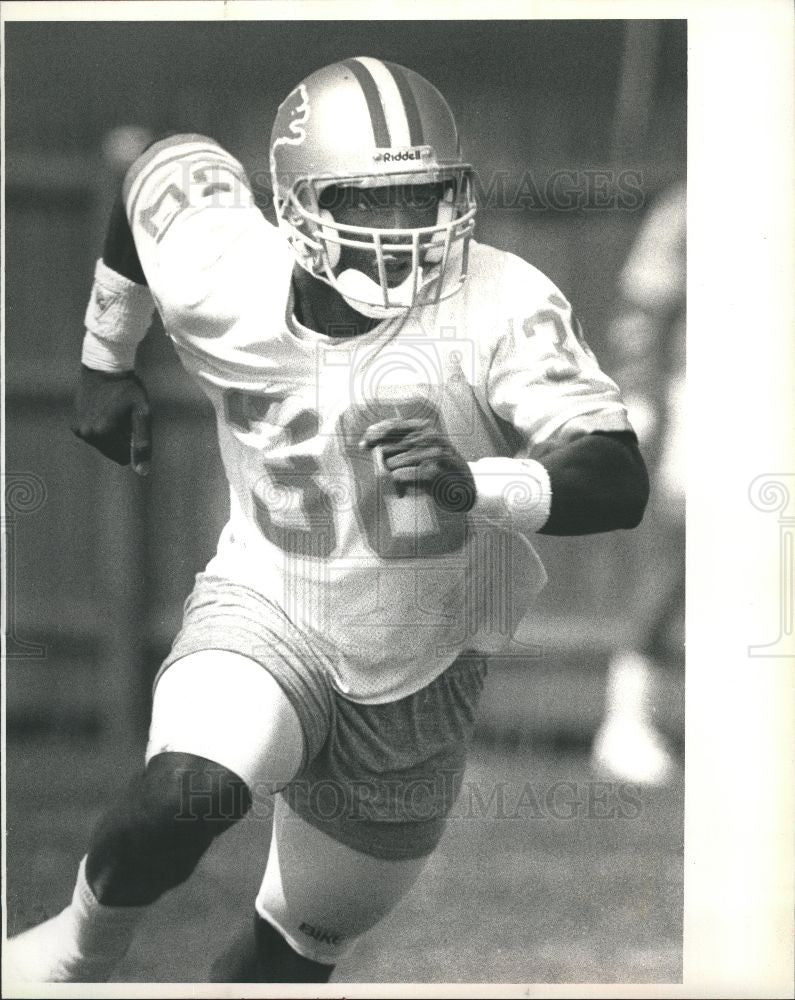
(390, 587)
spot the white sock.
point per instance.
(628, 746)
(630, 681)
(83, 943)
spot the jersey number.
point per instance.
(210, 180)
(295, 499)
(548, 325)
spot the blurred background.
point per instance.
(100, 561)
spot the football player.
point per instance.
(399, 410)
(649, 338)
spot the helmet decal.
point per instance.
(375, 105)
(409, 104)
(297, 105)
(390, 101)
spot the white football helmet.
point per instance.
(367, 123)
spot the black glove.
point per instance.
(112, 415)
(419, 455)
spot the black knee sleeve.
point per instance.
(154, 837)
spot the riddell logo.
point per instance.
(319, 934)
(386, 156)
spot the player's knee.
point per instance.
(154, 839)
(186, 803)
(183, 789)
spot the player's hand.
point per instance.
(112, 415)
(417, 454)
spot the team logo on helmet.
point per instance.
(295, 110)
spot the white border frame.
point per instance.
(740, 776)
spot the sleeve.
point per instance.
(543, 379)
(187, 201)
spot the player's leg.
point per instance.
(221, 726)
(317, 898)
(670, 607)
(261, 954)
(220, 723)
(629, 745)
(363, 818)
(241, 702)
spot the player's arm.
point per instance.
(574, 465)
(598, 482)
(111, 404)
(176, 197)
(586, 483)
(594, 482)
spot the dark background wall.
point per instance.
(101, 562)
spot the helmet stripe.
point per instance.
(416, 136)
(373, 98)
(391, 100)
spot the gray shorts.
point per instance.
(378, 778)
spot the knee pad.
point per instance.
(188, 787)
(185, 802)
(152, 839)
(322, 895)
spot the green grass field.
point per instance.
(528, 896)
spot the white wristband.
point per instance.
(118, 315)
(512, 491)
